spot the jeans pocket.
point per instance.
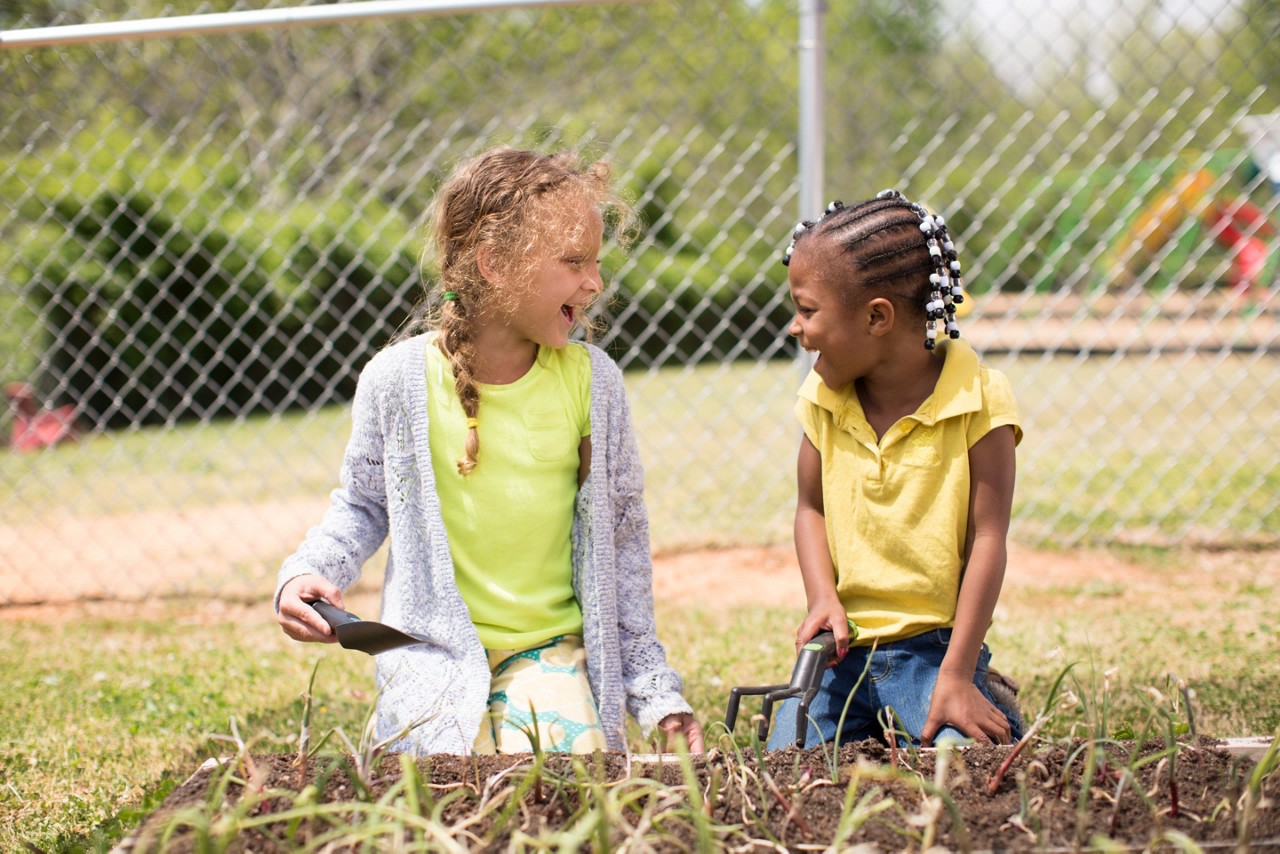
(881, 667)
(984, 659)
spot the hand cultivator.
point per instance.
(805, 679)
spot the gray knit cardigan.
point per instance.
(388, 490)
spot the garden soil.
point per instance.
(793, 801)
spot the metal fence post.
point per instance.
(812, 104)
(812, 127)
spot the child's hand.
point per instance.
(682, 725)
(958, 702)
(298, 619)
(826, 616)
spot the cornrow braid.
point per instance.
(895, 245)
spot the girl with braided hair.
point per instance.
(905, 483)
(498, 458)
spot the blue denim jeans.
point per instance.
(902, 675)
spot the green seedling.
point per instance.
(1251, 799)
(1042, 718)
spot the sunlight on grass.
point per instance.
(109, 705)
(1086, 474)
(113, 702)
(187, 466)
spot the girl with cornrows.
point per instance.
(905, 477)
(498, 458)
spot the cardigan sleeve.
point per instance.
(355, 524)
(652, 687)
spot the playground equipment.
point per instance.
(1234, 223)
(35, 427)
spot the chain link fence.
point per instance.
(204, 237)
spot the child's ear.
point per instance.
(485, 263)
(880, 316)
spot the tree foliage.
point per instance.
(280, 173)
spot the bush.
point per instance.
(161, 302)
(701, 285)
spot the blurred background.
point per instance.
(204, 237)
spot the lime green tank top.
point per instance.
(509, 522)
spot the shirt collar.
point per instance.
(958, 391)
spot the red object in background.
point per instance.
(1238, 225)
(35, 427)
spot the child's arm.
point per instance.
(332, 554)
(956, 700)
(814, 555)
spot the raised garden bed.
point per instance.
(1054, 795)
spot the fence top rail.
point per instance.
(262, 19)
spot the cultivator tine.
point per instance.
(735, 697)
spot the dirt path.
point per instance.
(134, 555)
(1124, 322)
(731, 577)
(769, 576)
(222, 550)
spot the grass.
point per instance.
(257, 458)
(1117, 451)
(105, 708)
(108, 705)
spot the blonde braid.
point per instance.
(455, 343)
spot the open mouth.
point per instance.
(569, 313)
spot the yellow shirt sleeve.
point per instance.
(807, 410)
(1000, 408)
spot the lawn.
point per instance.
(107, 705)
(1126, 451)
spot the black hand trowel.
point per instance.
(364, 635)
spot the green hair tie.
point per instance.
(450, 296)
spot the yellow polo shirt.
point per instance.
(897, 508)
(509, 522)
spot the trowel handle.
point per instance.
(333, 615)
(812, 661)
